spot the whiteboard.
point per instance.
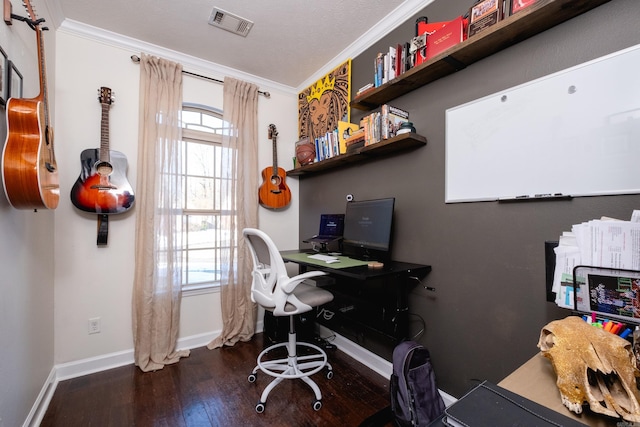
(575, 132)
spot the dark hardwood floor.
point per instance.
(210, 388)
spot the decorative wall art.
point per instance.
(322, 105)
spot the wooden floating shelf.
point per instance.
(385, 147)
(508, 32)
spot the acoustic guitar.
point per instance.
(29, 168)
(274, 192)
(102, 186)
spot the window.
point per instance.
(202, 129)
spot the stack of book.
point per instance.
(365, 88)
(327, 146)
(382, 124)
(355, 141)
(348, 137)
(431, 39)
(434, 38)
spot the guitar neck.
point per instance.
(275, 156)
(104, 134)
(43, 74)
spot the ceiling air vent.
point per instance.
(230, 22)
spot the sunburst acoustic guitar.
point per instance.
(29, 169)
(274, 192)
(102, 186)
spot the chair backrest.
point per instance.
(268, 267)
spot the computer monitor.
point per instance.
(368, 229)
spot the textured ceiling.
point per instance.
(289, 42)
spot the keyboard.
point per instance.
(325, 258)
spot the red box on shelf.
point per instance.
(518, 5)
(446, 37)
(426, 29)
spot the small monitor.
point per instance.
(368, 229)
(331, 226)
(609, 293)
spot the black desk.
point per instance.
(370, 306)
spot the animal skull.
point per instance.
(593, 366)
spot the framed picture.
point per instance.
(14, 80)
(484, 14)
(4, 86)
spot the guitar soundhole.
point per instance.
(104, 169)
(276, 180)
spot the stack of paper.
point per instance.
(606, 242)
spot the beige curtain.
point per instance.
(239, 194)
(158, 244)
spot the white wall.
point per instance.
(26, 257)
(92, 281)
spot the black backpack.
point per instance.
(415, 400)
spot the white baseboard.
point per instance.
(78, 368)
(380, 365)
(34, 418)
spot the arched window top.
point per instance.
(202, 119)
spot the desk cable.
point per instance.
(429, 288)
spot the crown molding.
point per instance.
(390, 22)
(190, 63)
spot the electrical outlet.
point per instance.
(94, 325)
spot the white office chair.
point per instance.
(274, 290)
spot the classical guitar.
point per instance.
(273, 192)
(102, 186)
(29, 169)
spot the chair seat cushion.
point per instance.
(312, 295)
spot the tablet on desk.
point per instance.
(331, 227)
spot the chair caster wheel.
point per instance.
(317, 405)
(252, 378)
(260, 407)
(329, 374)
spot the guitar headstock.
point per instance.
(33, 20)
(30, 9)
(273, 132)
(105, 96)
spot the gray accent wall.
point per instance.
(484, 319)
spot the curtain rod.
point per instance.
(136, 59)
